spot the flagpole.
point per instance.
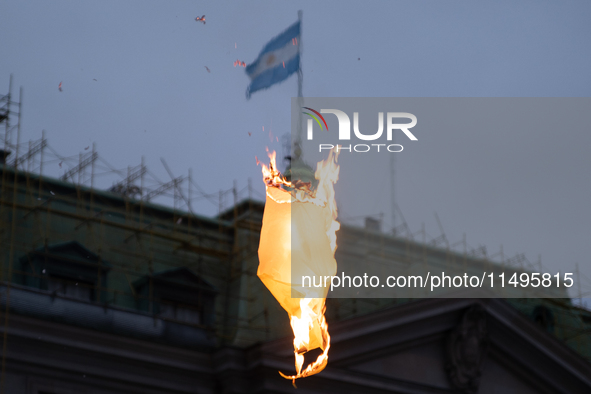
(300, 76)
(298, 142)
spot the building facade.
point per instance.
(104, 293)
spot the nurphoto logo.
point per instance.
(345, 130)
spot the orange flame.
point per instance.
(306, 315)
(271, 175)
(302, 328)
(239, 63)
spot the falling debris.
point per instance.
(239, 63)
(94, 79)
(294, 41)
(52, 193)
(60, 87)
(249, 133)
(207, 69)
(358, 58)
(87, 148)
(202, 19)
(235, 47)
(179, 221)
(60, 164)
(283, 64)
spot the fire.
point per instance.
(299, 237)
(239, 63)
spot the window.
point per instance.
(66, 269)
(182, 312)
(544, 318)
(177, 295)
(69, 288)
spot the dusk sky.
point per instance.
(135, 82)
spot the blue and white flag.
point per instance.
(278, 60)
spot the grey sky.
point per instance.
(153, 97)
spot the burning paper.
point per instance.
(298, 238)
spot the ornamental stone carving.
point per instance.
(466, 349)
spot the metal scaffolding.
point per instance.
(142, 226)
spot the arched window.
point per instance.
(543, 317)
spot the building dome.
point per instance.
(299, 170)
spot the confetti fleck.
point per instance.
(201, 19)
(60, 87)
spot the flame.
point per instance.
(239, 63)
(306, 316)
(327, 173)
(302, 328)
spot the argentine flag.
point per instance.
(278, 60)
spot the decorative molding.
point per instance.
(467, 346)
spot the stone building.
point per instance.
(104, 293)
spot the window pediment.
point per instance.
(67, 268)
(179, 295)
